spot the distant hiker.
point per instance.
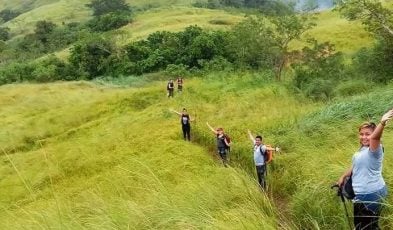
(261, 157)
(179, 84)
(185, 120)
(170, 87)
(366, 174)
(223, 143)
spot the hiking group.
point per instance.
(170, 87)
(362, 183)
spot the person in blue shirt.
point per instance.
(366, 173)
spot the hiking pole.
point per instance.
(340, 194)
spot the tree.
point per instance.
(376, 18)
(8, 15)
(287, 29)
(43, 29)
(101, 7)
(4, 33)
(89, 56)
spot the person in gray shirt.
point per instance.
(260, 157)
(366, 173)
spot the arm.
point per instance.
(228, 144)
(251, 136)
(375, 138)
(211, 128)
(346, 174)
(175, 112)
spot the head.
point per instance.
(220, 131)
(258, 140)
(184, 111)
(171, 80)
(365, 130)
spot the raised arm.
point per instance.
(375, 138)
(211, 128)
(175, 111)
(251, 136)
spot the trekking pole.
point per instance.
(340, 194)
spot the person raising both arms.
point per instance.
(185, 120)
(222, 143)
(366, 174)
(260, 157)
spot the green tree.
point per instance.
(109, 21)
(377, 18)
(101, 7)
(4, 33)
(287, 28)
(89, 56)
(43, 30)
(8, 15)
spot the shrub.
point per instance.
(109, 21)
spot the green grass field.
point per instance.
(81, 155)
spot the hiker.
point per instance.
(366, 174)
(185, 120)
(179, 84)
(170, 87)
(260, 157)
(223, 143)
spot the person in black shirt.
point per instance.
(170, 87)
(222, 143)
(185, 120)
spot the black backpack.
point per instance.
(347, 189)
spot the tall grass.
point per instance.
(79, 156)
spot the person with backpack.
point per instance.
(223, 143)
(261, 157)
(170, 88)
(185, 120)
(366, 175)
(179, 84)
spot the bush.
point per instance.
(376, 62)
(89, 56)
(109, 21)
(4, 33)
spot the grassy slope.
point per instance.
(82, 156)
(103, 157)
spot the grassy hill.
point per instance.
(80, 155)
(174, 15)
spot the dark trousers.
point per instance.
(170, 92)
(223, 155)
(261, 172)
(365, 219)
(186, 132)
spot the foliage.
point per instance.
(109, 21)
(4, 33)
(43, 30)
(7, 14)
(89, 56)
(320, 70)
(102, 7)
(375, 63)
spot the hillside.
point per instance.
(175, 15)
(79, 155)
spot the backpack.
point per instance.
(268, 154)
(228, 139)
(347, 189)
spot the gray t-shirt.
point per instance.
(259, 158)
(367, 170)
